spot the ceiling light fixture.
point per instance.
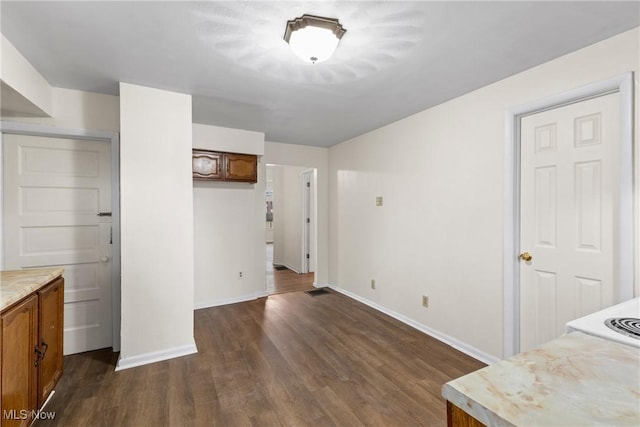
(313, 38)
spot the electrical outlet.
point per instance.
(425, 301)
(373, 283)
(379, 201)
(240, 275)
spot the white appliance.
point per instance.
(619, 323)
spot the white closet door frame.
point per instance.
(622, 84)
(110, 137)
(306, 190)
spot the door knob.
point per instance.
(525, 256)
(104, 259)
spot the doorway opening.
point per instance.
(290, 228)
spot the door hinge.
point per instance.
(307, 256)
(308, 220)
(308, 184)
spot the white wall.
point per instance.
(64, 108)
(229, 140)
(229, 218)
(156, 229)
(17, 73)
(86, 110)
(276, 173)
(74, 109)
(228, 225)
(310, 158)
(440, 172)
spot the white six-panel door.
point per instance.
(54, 190)
(569, 194)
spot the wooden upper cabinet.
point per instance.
(207, 165)
(51, 313)
(241, 167)
(219, 166)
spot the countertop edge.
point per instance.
(473, 408)
(576, 371)
(15, 285)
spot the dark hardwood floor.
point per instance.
(282, 281)
(286, 360)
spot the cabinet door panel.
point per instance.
(241, 167)
(207, 165)
(19, 375)
(51, 312)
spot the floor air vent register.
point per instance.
(316, 292)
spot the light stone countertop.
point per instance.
(17, 284)
(576, 380)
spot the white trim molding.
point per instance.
(156, 356)
(292, 268)
(289, 267)
(18, 128)
(623, 85)
(321, 285)
(226, 301)
(457, 344)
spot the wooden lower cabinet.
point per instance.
(50, 316)
(31, 353)
(19, 376)
(456, 417)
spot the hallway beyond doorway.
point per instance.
(282, 281)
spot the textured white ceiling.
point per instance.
(252, 38)
(397, 58)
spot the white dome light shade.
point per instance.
(313, 38)
(313, 44)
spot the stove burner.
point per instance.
(629, 326)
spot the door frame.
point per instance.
(307, 211)
(622, 84)
(113, 138)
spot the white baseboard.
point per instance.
(289, 267)
(155, 356)
(284, 264)
(225, 301)
(458, 345)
